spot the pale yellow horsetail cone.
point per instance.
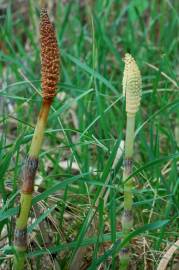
(132, 84)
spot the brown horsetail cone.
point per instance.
(132, 84)
(50, 59)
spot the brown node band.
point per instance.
(124, 251)
(28, 174)
(128, 162)
(20, 237)
(128, 215)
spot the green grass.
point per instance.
(86, 127)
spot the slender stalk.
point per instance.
(28, 177)
(128, 162)
(132, 90)
(127, 217)
(50, 74)
(39, 130)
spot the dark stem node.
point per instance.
(128, 162)
(20, 238)
(28, 174)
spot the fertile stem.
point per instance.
(131, 89)
(50, 74)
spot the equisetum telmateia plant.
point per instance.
(50, 76)
(132, 85)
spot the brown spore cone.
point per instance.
(50, 59)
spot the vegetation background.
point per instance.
(78, 200)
